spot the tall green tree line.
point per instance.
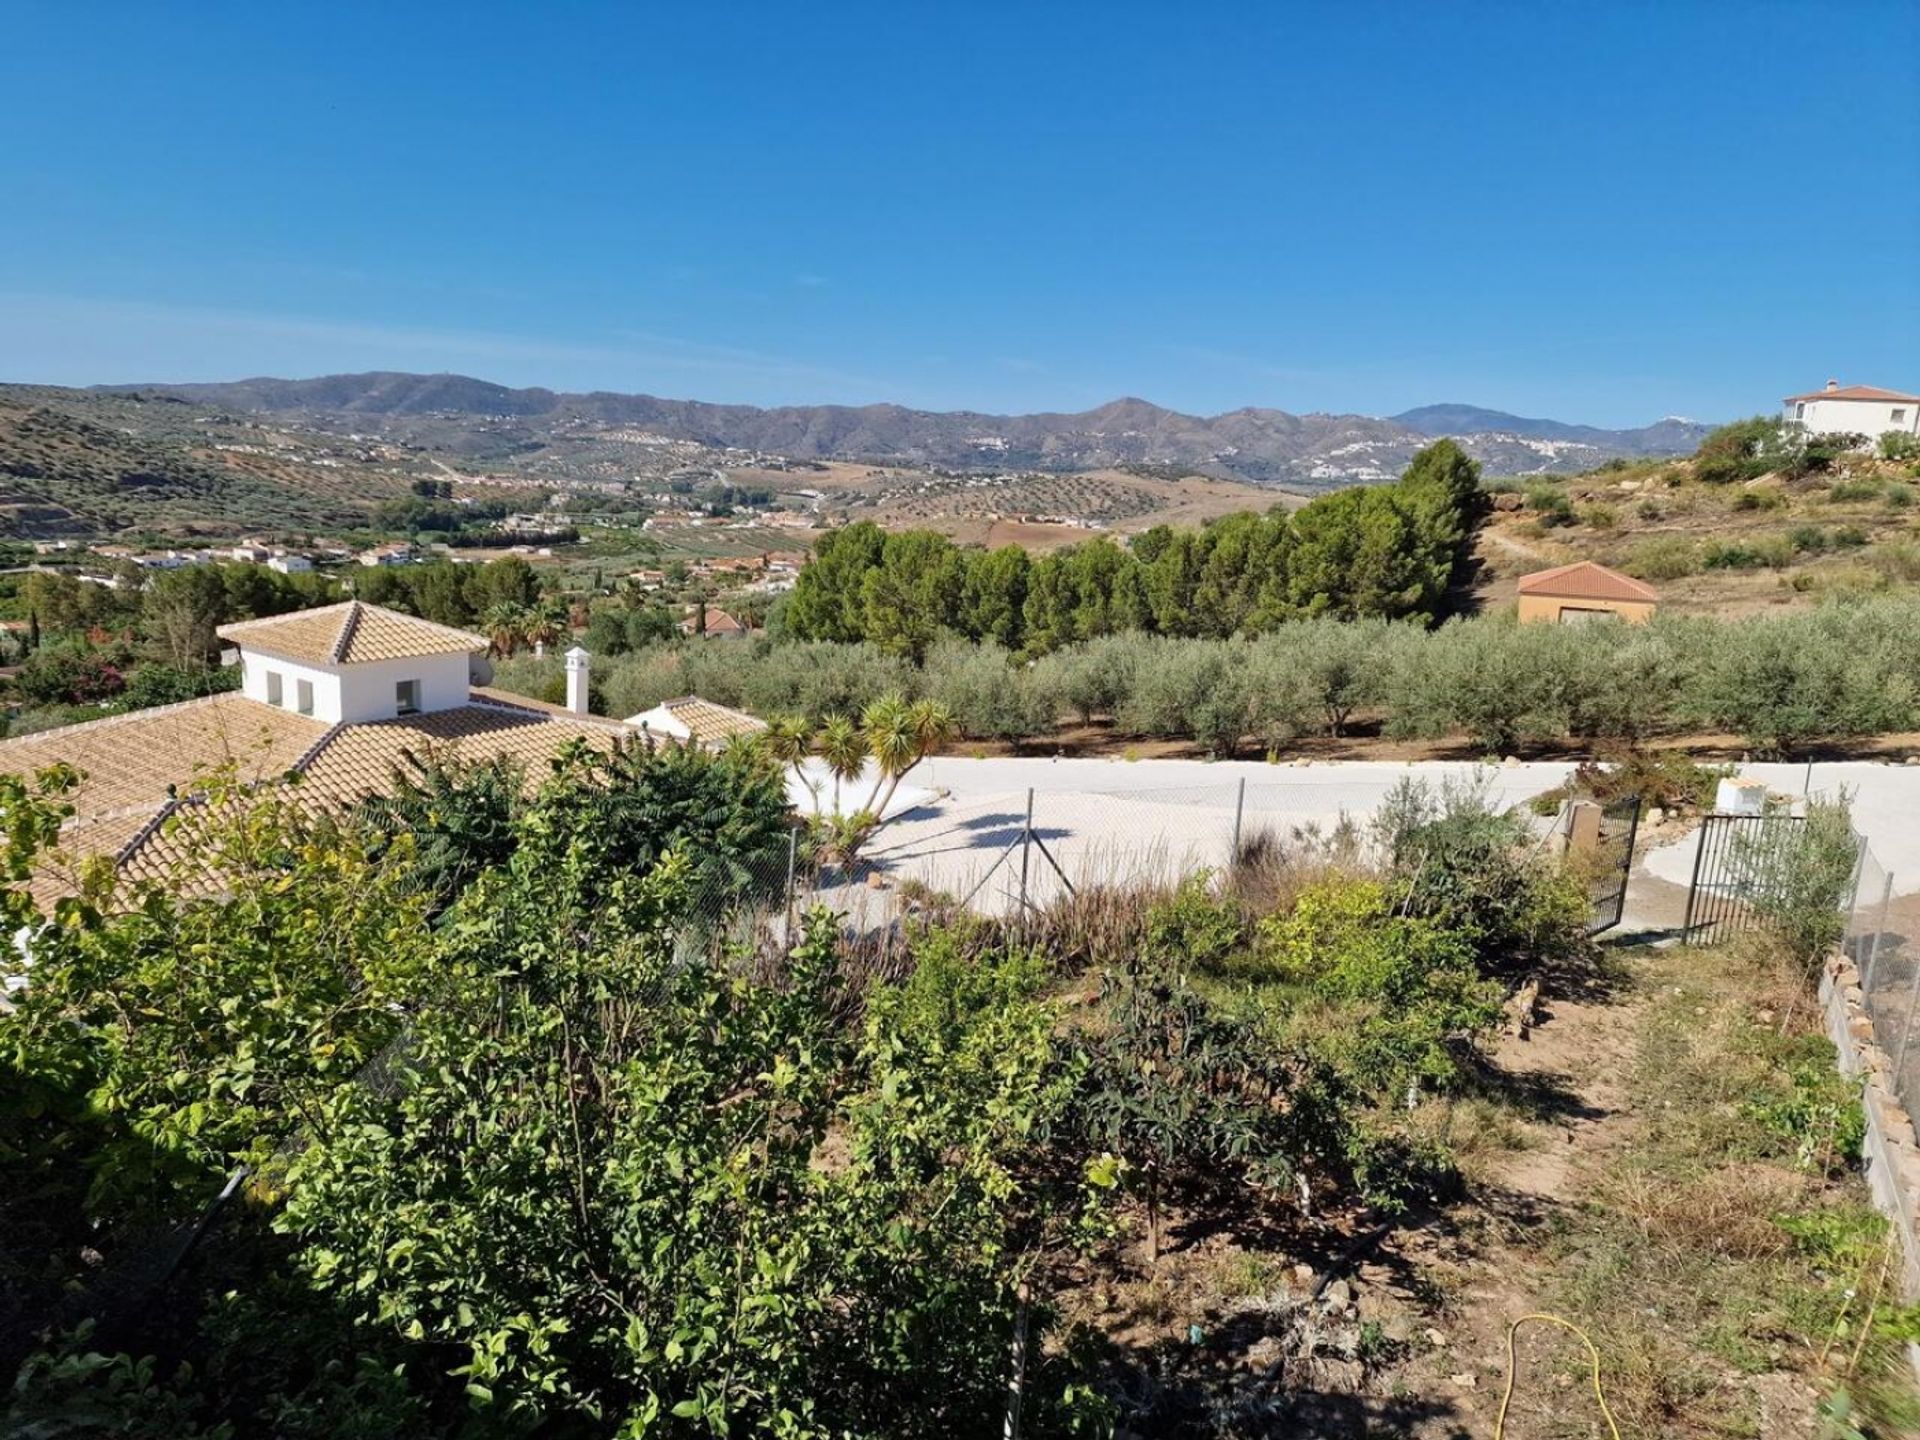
(1388, 551)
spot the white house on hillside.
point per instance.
(351, 663)
(1855, 410)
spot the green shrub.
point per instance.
(1744, 450)
(1898, 495)
(1807, 539)
(1665, 557)
(1899, 445)
(1761, 499)
(1550, 505)
(1599, 517)
(1746, 555)
(1193, 929)
(1845, 492)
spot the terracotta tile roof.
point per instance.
(719, 622)
(136, 799)
(350, 633)
(360, 760)
(1584, 580)
(1855, 392)
(711, 724)
(132, 761)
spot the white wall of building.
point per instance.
(355, 693)
(1871, 418)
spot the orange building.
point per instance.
(1583, 591)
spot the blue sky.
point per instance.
(1600, 212)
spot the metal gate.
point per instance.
(1736, 855)
(1613, 862)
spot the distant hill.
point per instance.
(1670, 436)
(478, 419)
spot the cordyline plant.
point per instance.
(895, 734)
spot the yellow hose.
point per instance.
(1513, 1368)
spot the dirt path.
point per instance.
(1479, 1268)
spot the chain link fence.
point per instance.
(1005, 854)
(1881, 926)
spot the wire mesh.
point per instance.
(1879, 938)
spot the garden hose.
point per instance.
(1513, 1368)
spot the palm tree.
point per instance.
(901, 736)
(506, 627)
(786, 741)
(543, 626)
(844, 747)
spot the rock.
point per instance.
(1266, 1353)
(1511, 762)
(876, 881)
(1656, 815)
(1509, 501)
(1434, 1338)
(1337, 1297)
(1303, 1274)
(1466, 1380)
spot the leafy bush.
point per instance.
(1670, 779)
(1800, 878)
(1899, 445)
(1744, 450)
(1664, 557)
(1477, 873)
(1598, 516)
(1807, 539)
(1764, 499)
(1845, 492)
(1550, 505)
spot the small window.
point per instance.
(303, 696)
(1899, 417)
(275, 692)
(1800, 410)
(406, 697)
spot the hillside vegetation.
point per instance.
(1751, 522)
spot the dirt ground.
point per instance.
(1587, 1195)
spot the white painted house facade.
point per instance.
(1855, 410)
(353, 663)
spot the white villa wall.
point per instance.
(1871, 418)
(357, 693)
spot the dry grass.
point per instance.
(1712, 1258)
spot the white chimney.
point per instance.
(578, 664)
(1833, 384)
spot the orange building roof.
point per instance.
(351, 633)
(1584, 580)
(1854, 392)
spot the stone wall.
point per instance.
(1891, 1151)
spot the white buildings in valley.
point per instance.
(1855, 410)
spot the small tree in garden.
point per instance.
(1800, 880)
(1184, 1096)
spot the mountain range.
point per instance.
(478, 420)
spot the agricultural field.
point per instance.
(1039, 511)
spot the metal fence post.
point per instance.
(793, 851)
(1239, 809)
(1026, 854)
(1873, 950)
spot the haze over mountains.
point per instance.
(476, 418)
